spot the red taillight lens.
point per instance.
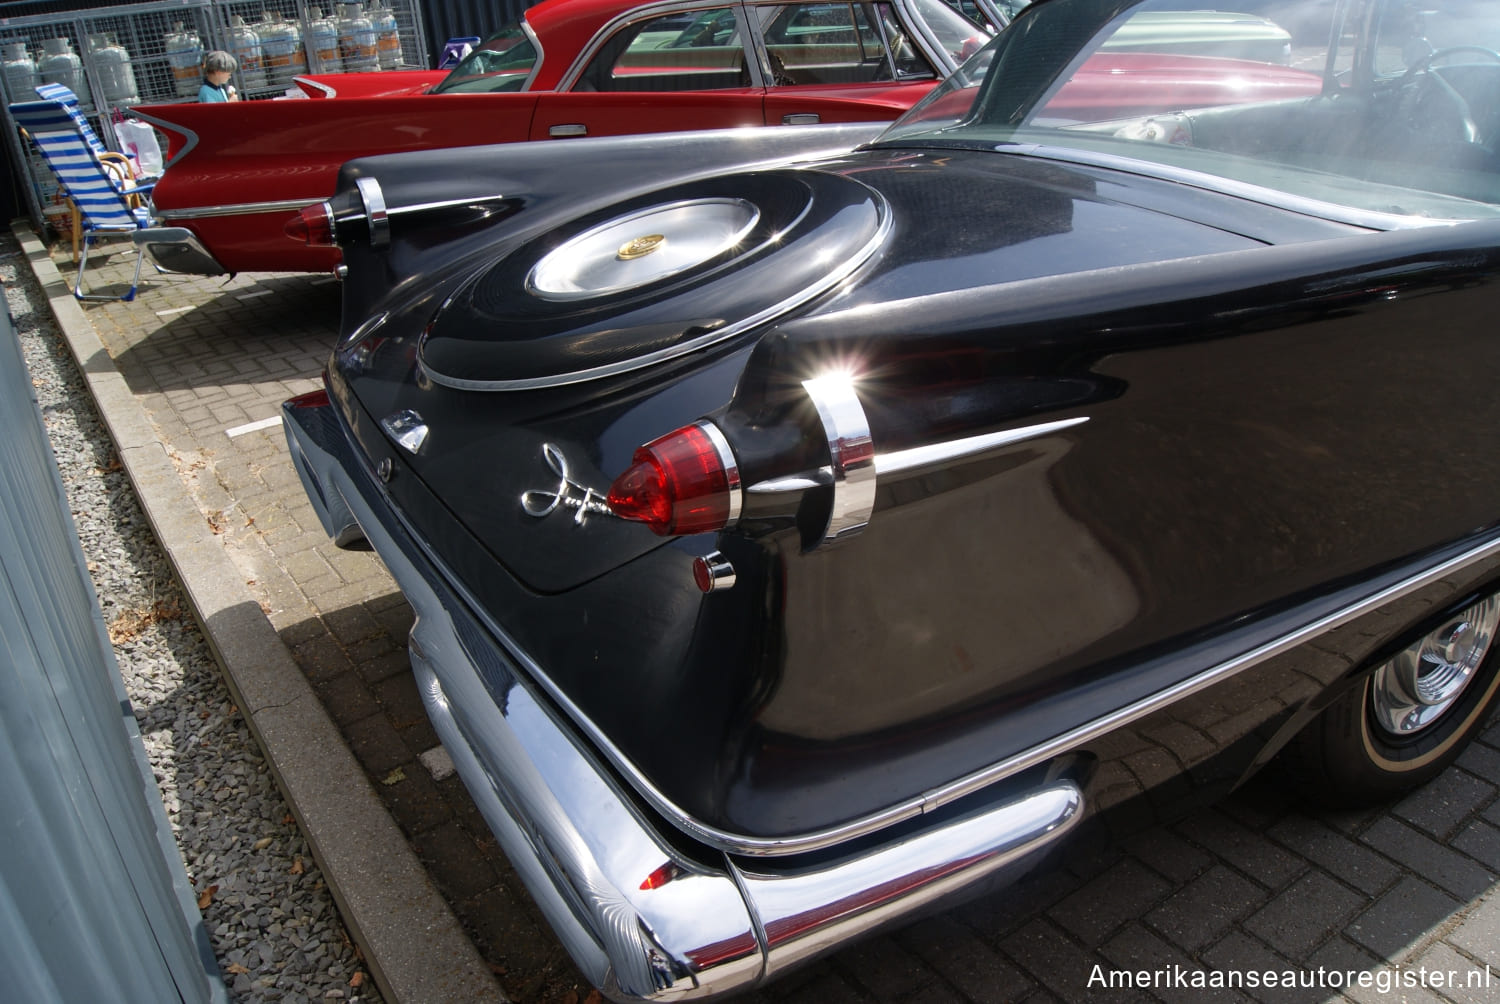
(660, 877)
(312, 399)
(682, 483)
(313, 226)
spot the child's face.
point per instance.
(217, 77)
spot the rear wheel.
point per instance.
(1412, 716)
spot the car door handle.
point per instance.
(569, 129)
(801, 118)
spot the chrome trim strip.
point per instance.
(918, 457)
(901, 462)
(238, 209)
(315, 85)
(373, 200)
(832, 278)
(1225, 186)
(1140, 709)
(422, 207)
(851, 453)
(731, 468)
(165, 126)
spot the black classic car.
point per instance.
(806, 527)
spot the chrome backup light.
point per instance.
(642, 248)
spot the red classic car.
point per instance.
(236, 174)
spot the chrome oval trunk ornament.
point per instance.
(643, 247)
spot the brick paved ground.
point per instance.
(1253, 884)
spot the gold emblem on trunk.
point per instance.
(640, 247)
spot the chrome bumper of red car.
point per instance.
(178, 249)
(641, 918)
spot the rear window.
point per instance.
(502, 62)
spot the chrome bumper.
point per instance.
(178, 249)
(641, 919)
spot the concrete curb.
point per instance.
(415, 947)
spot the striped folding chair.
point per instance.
(106, 205)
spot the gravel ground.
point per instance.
(272, 920)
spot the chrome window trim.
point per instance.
(541, 54)
(936, 55)
(536, 65)
(646, 13)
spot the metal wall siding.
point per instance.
(462, 18)
(94, 902)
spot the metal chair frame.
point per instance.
(103, 202)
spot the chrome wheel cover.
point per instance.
(1411, 691)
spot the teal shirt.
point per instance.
(208, 92)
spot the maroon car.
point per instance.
(568, 68)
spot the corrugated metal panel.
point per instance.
(94, 903)
(460, 18)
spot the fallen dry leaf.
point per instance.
(235, 969)
(297, 868)
(357, 980)
(262, 843)
(128, 624)
(394, 777)
(206, 897)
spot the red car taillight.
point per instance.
(685, 482)
(313, 226)
(312, 399)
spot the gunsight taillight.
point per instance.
(685, 482)
(313, 226)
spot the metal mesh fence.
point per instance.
(113, 57)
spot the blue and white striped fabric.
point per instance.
(73, 151)
(64, 96)
(76, 163)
